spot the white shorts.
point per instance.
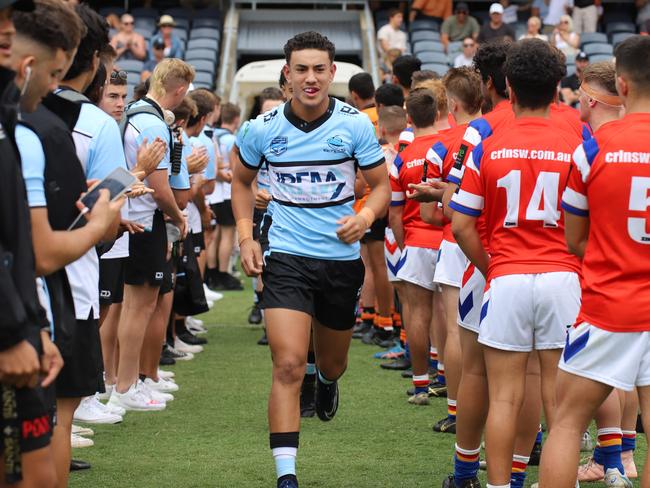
(523, 312)
(618, 359)
(451, 265)
(419, 266)
(393, 255)
(470, 298)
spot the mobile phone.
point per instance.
(117, 183)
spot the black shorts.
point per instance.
(111, 280)
(167, 283)
(198, 241)
(258, 216)
(223, 213)
(325, 289)
(82, 373)
(377, 231)
(147, 255)
(265, 226)
(34, 408)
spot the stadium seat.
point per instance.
(145, 23)
(207, 54)
(204, 33)
(432, 57)
(203, 44)
(203, 79)
(182, 23)
(482, 16)
(455, 47)
(146, 33)
(206, 22)
(180, 33)
(207, 13)
(570, 69)
(132, 78)
(615, 27)
(600, 57)
(179, 13)
(424, 25)
(598, 48)
(104, 11)
(440, 68)
(130, 65)
(129, 92)
(570, 59)
(592, 37)
(422, 46)
(145, 12)
(425, 36)
(203, 65)
(112, 32)
(620, 37)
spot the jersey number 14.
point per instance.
(543, 203)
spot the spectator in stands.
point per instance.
(113, 98)
(643, 15)
(466, 58)
(403, 69)
(585, 15)
(564, 38)
(390, 36)
(509, 12)
(534, 27)
(128, 43)
(496, 28)
(389, 95)
(158, 51)
(173, 47)
(556, 8)
(459, 26)
(386, 67)
(539, 8)
(362, 93)
(570, 85)
(430, 9)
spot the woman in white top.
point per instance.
(534, 26)
(564, 38)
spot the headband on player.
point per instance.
(604, 98)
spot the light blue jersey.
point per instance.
(312, 168)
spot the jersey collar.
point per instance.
(305, 126)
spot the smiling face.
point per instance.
(310, 73)
(7, 34)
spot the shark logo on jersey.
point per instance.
(278, 145)
(270, 116)
(335, 144)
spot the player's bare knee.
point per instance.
(288, 371)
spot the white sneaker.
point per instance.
(161, 385)
(180, 355)
(78, 441)
(135, 399)
(614, 479)
(183, 347)
(213, 296)
(157, 396)
(195, 326)
(83, 431)
(107, 394)
(167, 375)
(92, 411)
(587, 443)
(210, 304)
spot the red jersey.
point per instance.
(610, 184)
(570, 118)
(409, 167)
(441, 158)
(518, 181)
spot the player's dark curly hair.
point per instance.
(489, 60)
(309, 40)
(533, 69)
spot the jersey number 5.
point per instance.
(547, 187)
(639, 201)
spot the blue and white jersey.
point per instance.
(312, 168)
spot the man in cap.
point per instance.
(459, 26)
(496, 28)
(570, 85)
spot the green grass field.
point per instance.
(215, 435)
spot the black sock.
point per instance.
(258, 296)
(179, 325)
(142, 377)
